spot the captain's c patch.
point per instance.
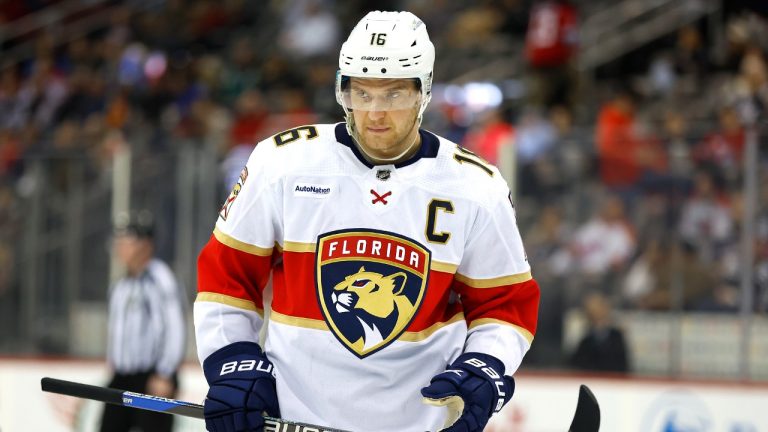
(224, 212)
(370, 285)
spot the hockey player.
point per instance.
(400, 283)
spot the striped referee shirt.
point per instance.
(147, 324)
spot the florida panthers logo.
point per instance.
(370, 285)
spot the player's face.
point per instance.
(385, 112)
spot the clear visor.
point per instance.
(367, 96)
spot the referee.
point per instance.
(147, 327)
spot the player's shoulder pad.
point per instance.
(293, 147)
(472, 173)
(299, 137)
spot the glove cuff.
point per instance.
(224, 361)
(478, 364)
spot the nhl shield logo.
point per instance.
(370, 285)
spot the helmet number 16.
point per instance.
(378, 38)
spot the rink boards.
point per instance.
(543, 402)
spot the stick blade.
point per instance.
(587, 416)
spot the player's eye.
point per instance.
(394, 95)
(360, 283)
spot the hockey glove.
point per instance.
(473, 388)
(242, 386)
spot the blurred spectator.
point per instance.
(604, 244)
(644, 273)
(651, 157)
(678, 147)
(546, 240)
(240, 73)
(603, 348)
(489, 134)
(9, 90)
(481, 21)
(292, 108)
(310, 29)
(723, 149)
(690, 55)
(662, 78)
(606, 241)
(10, 154)
(117, 111)
(208, 22)
(551, 43)
(617, 143)
(668, 276)
(535, 144)
(725, 297)
(250, 118)
(754, 72)
(85, 96)
(706, 221)
(574, 154)
(40, 96)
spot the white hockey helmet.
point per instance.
(386, 45)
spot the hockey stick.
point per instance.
(587, 415)
(159, 404)
(585, 419)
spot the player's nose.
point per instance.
(377, 115)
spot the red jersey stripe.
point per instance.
(222, 269)
(516, 304)
(295, 293)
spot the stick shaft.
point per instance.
(155, 403)
(123, 398)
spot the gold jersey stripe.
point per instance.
(482, 321)
(494, 282)
(427, 332)
(241, 246)
(229, 301)
(321, 325)
(299, 247)
(444, 267)
(298, 322)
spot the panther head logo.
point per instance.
(370, 285)
(371, 295)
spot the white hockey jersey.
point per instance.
(382, 275)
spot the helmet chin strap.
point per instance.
(352, 130)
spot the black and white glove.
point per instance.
(473, 388)
(242, 387)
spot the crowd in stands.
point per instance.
(619, 191)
